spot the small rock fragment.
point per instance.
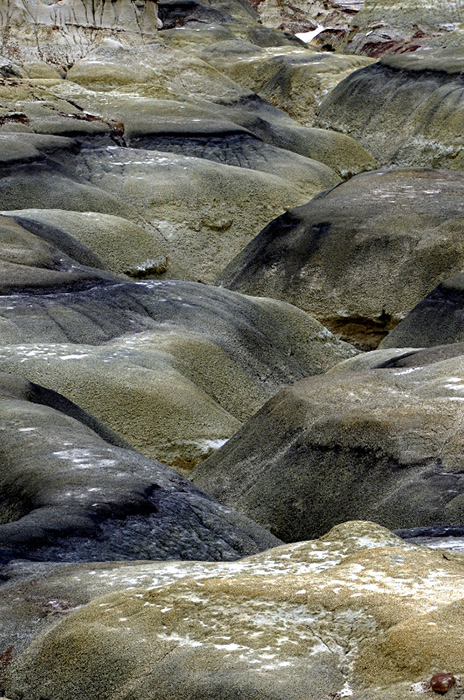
(442, 682)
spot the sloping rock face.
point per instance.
(282, 624)
(71, 491)
(41, 592)
(143, 185)
(303, 16)
(62, 30)
(436, 319)
(405, 109)
(293, 79)
(175, 367)
(193, 130)
(380, 444)
(345, 257)
(389, 26)
(200, 359)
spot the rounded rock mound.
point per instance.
(280, 624)
(360, 255)
(380, 444)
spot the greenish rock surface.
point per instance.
(405, 109)
(380, 444)
(293, 78)
(174, 367)
(196, 230)
(345, 256)
(357, 613)
(118, 244)
(155, 134)
(72, 491)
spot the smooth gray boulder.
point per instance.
(345, 256)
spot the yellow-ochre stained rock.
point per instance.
(357, 613)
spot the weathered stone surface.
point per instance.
(389, 26)
(292, 78)
(37, 262)
(68, 494)
(394, 358)
(118, 244)
(58, 32)
(356, 613)
(225, 198)
(300, 16)
(33, 596)
(435, 320)
(201, 230)
(380, 444)
(175, 367)
(344, 257)
(150, 119)
(405, 109)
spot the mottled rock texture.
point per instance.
(361, 255)
(175, 367)
(405, 109)
(301, 16)
(73, 491)
(381, 444)
(391, 26)
(295, 79)
(124, 152)
(356, 613)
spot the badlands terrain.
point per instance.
(231, 349)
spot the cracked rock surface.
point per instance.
(72, 490)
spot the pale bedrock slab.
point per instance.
(342, 617)
(380, 444)
(34, 596)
